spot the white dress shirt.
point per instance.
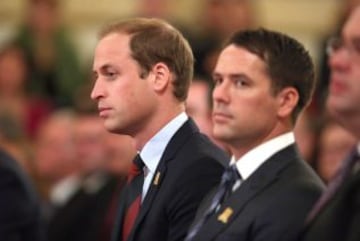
(155, 147)
(252, 160)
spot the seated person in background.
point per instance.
(199, 107)
(28, 109)
(20, 217)
(54, 69)
(336, 216)
(335, 142)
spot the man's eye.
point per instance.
(240, 82)
(111, 75)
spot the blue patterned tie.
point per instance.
(228, 179)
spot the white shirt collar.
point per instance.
(249, 162)
(64, 189)
(154, 148)
(94, 182)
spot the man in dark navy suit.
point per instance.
(263, 79)
(143, 69)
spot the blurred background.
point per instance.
(307, 20)
(50, 125)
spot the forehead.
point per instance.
(234, 59)
(112, 47)
(113, 43)
(352, 26)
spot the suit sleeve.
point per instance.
(191, 189)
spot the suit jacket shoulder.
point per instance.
(270, 205)
(190, 166)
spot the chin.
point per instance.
(219, 136)
(338, 104)
(109, 126)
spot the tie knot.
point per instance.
(138, 162)
(230, 175)
(136, 167)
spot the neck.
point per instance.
(350, 122)
(155, 124)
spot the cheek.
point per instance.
(261, 109)
(136, 101)
(124, 95)
(356, 88)
(254, 103)
(353, 90)
(356, 73)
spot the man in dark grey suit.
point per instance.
(143, 69)
(336, 216)
(19, 206)
(263, 79)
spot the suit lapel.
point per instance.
(262, 178)
(178, 140)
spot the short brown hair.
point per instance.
(153, 41)
(288, 63)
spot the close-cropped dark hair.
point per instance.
(287, 62)
(154, 41)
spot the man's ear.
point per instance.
(161, 76)
(288, 98)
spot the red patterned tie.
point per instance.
(135, 183)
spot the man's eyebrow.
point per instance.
(214, 74)
(234, 75)
(105, 66)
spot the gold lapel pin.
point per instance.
(157, 179)
(225, 215)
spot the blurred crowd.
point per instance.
(51, 127)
